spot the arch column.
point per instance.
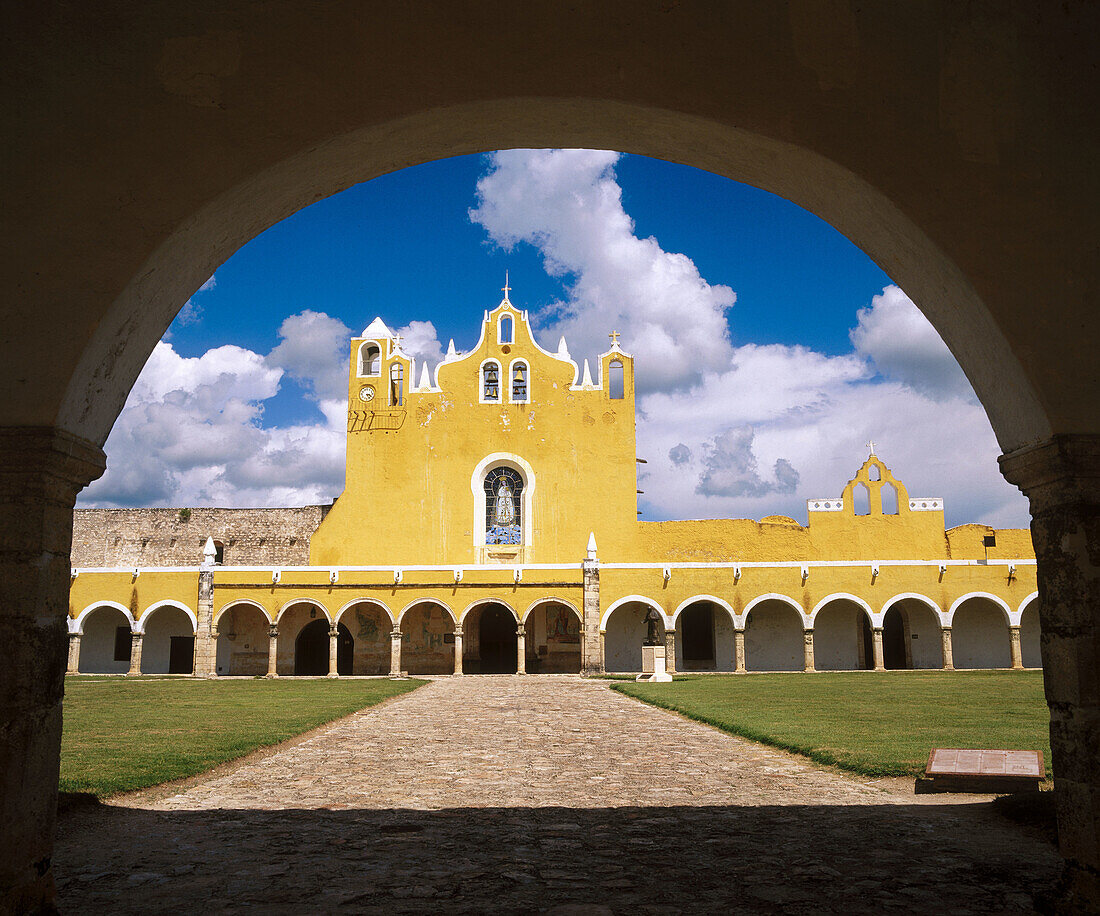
(395, 651)
(876, 645)
(1014, 646)
(670, 651)
(808, 651)
(948, 658)
(521, 649)
(458, 650)
(272, 650)
(135, 654)
(739, 651)
(74, 654)
(1061, 479)
(603, 651)
(333, 641)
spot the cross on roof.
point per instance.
(614, 335)
(871, 446)
(507, 289)
(397, 341)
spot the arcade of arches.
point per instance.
(955, 143)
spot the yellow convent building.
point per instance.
(467, 539)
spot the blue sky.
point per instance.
(770, 348)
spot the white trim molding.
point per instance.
(687, 602)
(77, 626)
(630, 599)
(157, 605)
(373, 602)
(874, 619)
(997, 601)
(247, 602)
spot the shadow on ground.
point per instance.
(738, 859)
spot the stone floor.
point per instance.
(544, 794)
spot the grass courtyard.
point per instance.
(123, 733)
(872, 723)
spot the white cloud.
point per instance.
(568, 204)
(421, 341)
(314, 352)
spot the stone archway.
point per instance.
(105, 643)
(625, 630)
(842, 637)
(168, 642)
(980, 636)
(491, 645)
(243, 634)
(311, 650)
(553, 639)
(1031, 635)
(773, 637)
(428, 642)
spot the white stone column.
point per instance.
(808, 651)
(739, 651)
(521, 649)
(273, 650)
(333, 642)
(670, 651)
(135, 654)
(948, 657)
(74, 654)
(876, 640)
(395, 652)
(1014, 644)
(458, 650)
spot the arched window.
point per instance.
(861, 499)
(397, 385)
(219, 553)
(873, 473)
(889, 495)
(505, 330)
(490, 381)
(519, 382)
(370, 359)
(615, 381)
(503, 506)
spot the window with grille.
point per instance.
(503, 506)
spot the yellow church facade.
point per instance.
(489, 525)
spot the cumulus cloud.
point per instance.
(421, 341)
(730, 468)
(902, 345)
(679, 454)
(313, 350)
(569, 205)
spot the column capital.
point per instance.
(521, 630)
(273, 631)
(1064, 469)
(69, 462)
(458, 630)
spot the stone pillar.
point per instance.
(739, 651)
(333, 646)
(1061, 478)
(521, 649)
(206, 634)
(74, 654)
(135, 654)
(41, 471)
(808, 651)
(458, 650)
(876, 641)
(592, 659)
(395, 652)
(670, 651)
(1014, 646)
(948, 658)
(272, 650)
(603, 651)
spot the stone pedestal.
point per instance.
(74, 654)
(948, 657)
(458, 650)
(653, 665)
(135, 654)
(1061, 478)
(272, 651)
(41, 472)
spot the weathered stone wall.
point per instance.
(165, 537)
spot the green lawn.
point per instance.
(122, 734)
(877, 724)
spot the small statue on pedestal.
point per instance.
(652, 637)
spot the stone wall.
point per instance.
(171, 537)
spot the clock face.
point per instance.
(366, 393)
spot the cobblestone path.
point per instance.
(541, 794)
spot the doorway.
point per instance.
(311, 650)
(497, 638)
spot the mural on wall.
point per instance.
(562, 625)
(368, 626)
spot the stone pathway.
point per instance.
(542, 794)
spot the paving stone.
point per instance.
(549, 794)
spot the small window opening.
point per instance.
(506, 329)
(874, 473)
(889, 499)
(372, 360)
(397, 385)
(616, 380)
(861, 499)
(490, 382)
(219, 553)
(519, 382)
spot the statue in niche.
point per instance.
(652, 619)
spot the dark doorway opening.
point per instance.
(311, 650)
(697, 635)
(497, 640)
(893, 640)
(181, 655)
(867, 643)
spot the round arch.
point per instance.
(157, 605)
(247, 602)
(775, 596)
(628, 600)
(482, 601)
(1023, 605)
(915, 596)
(312, 602)
(408, 607)
(540, 602)
(77, 626)
(1000, 602)
(373, 602)
(711, 598)
(875, 620)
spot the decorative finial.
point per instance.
(614, 335)
(871, 446)
(507, 289)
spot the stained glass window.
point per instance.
(503, 506)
